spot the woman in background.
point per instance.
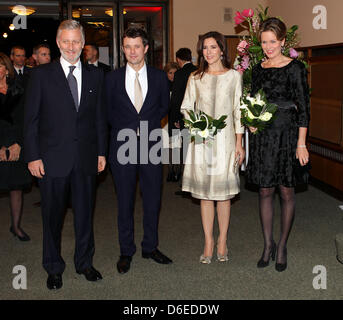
(14, 175)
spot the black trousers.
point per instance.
(55, 194)
(150, 181)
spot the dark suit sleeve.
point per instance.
(165, 95)
(179, 85)
(101, 121)
(31, 117)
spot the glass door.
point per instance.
(153, 18)
(98, 21)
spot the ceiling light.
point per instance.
(76, 14)
(23, 11)
(109, 12)
(11, 27)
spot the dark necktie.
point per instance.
(20, 73)
(73, 86)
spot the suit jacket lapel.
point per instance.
(61, 80)
(84, 82)
(150, 82)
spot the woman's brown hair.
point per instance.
(274, 25)
(170, 65)
(5, 61)
(202, 63)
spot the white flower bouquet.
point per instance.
(203, 127)
(257, 111)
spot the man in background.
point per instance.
(41, 54)
(18, 57)
(175, 122)
(91, 56)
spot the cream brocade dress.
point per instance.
(210, 171)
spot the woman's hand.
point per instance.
(302, 155)
(239, 154)
(14, 151)
(252, 129)
(3, 154)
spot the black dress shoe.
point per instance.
(123, 264)
(25, 237)
(54, 281)
(91, 274)
(157, 256)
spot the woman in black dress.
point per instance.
(14, 175)
(274, 151)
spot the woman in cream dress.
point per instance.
(211, 170)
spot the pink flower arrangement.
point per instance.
(242, 47)
(293, 53)
(249, 49)
(239, 18)
(245, 62)
(242, 16)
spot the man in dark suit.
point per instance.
(137, 100)
(175, 122)
(18, 57)
(65, 145)
(91, 56)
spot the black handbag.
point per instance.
(301, 173)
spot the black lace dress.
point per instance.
(272, 151)
(14, 175)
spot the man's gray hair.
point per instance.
(71, 25)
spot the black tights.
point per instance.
(266, 200)
(16, 207)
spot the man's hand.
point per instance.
(14, 151)
(3, 154)
(101, 163)
(37, 168)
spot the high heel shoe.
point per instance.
(261, 263)
(281, 266)
(222, 257)
(205, 260)
(25, 236)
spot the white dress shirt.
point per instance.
(130, 82)
(77, 73)
(95, 63)
(17, 69)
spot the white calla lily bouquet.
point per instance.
(257, 111)
(203, 127)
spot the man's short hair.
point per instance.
(71, 25)
(134, 32)
(42, 45)
(184, 54)
(16, 47)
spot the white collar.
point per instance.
(132, 71)
(95, 63)
(65, 64)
